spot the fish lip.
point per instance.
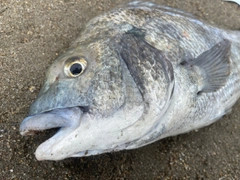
(25, 131)
(67, 119)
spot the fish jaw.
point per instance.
(82, 134)
(68, 119)
(75, 142)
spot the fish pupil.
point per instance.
(76, 69)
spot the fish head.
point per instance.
(84, 95)
(89, 78)
(104, 96)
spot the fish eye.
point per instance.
(75, 66)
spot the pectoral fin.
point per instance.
(213, 66)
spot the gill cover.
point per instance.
(151, 71)
(154, 77)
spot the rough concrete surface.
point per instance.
(33, 33)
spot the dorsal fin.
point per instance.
(213, 66)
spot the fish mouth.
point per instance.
(56, 118)
(66, 119)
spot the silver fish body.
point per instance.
(137, 74)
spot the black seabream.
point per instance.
(136, 74)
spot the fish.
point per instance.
(136, 74)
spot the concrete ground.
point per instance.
(33, 33)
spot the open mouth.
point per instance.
(57, 118)
(66, 119)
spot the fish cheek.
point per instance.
(108, 90)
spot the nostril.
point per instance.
(84, 108)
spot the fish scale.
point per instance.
(149, 72)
